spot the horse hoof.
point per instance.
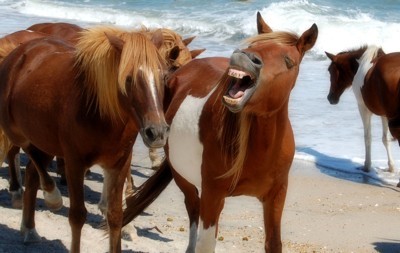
(53, 199)
(31, 236)
(16, 199)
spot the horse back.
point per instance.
(35, 77)
(381, 89)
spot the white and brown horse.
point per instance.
(347, 69)
(231, 134)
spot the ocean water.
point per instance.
(331, 136)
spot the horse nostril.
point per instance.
(150, 133)
(255, 59)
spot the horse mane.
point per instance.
(279, 37)
(104, 67)
(170, 40)
(6, 46)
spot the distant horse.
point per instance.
(85, 104)
(231, 134)
(343, 69)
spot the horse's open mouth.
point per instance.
(240, 89)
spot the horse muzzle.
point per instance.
(333, 100)
(155, 136)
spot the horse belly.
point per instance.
(185, 148)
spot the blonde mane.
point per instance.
(105, 68)
(6, 46)
(234, 129)
(281, 38)
(172, 39)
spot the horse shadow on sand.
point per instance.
(342, 168)
(91, 197)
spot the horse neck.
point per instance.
(365, 64)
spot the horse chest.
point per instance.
(185, 148)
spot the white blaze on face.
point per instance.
(206, 242)
(153, 90)
(185, 148)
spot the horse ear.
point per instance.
(195, 53)
(330, 56)
(262, 27)
(307, 39)
(174, 53)
(116, 42)
(158, 38)
(187, 41)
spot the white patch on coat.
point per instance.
(364, 65)
(185, 148)
(206, 241)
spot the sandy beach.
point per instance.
(325, 212)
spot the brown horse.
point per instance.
(343, 69)
(7, 44)
(174, 50)
(66, 31)
(231, 134)
(85, 104)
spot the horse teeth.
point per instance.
(236, 73)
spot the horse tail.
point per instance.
(147, 192)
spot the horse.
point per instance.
(230, 134)
(342, 70)
(85, 104)
(174, 50)
(66, 31)
(7, 44)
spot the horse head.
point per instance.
(261, 76)
(140, 78)
(341, 75)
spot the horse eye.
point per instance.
(289, 62)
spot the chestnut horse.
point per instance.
(85, 104)
(343, 69)
(174, 50)
(231, 134)
(7, 44)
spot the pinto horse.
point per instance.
(343, 69)
(85, 104)
(230, 134)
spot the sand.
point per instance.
(325, 211)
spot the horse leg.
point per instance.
(61, 170)
(366, 119)
(14, 168)
(75, 174)
(115, 187)
(211, 205)
(273, 204)
(39, 161)
(386, 139)
(28, 212)
(192, 203)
